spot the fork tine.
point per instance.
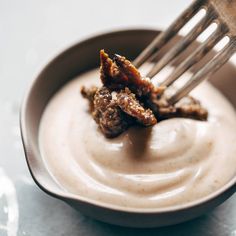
(168, 34)
(213, 65)
(197, 55)
(181, 45)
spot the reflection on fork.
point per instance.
(8, 191)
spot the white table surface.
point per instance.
(31, 33)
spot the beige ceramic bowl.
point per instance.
(70, 63)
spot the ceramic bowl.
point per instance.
(66, 66)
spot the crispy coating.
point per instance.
(108, 115)
(130, 105)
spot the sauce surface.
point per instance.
(174, 162)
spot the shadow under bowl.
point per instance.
(66, 66)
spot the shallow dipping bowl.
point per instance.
(66, 66)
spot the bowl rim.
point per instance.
(66, 196)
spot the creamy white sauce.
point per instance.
(176, 161)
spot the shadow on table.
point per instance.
(196, 227)
(218, 223)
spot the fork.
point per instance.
(221, 12)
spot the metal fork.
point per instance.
(223, 13)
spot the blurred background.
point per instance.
(31, 33)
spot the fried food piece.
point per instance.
(110, 74)
(127, 101)
(188, 107)
(114, 115)
(137, 99)
(120, 73)
(111, 119)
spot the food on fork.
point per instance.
(126, 98)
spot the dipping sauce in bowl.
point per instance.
(176, 161)
(119, 180)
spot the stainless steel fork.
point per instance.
(223, 13)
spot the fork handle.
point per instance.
(226, 10)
